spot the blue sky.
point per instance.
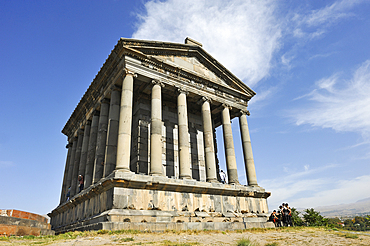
(308, 61)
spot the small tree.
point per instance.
(334, 222)
(297, 221)
(313, 218)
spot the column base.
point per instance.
(186, 177)
(156, 174)
(125, 170)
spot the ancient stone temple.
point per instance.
(143, 137)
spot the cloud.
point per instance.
(330, 13)
(314, 24)
(292, 185)
(345, 191)
(300, 190)
(339, 104)
(243, 34)
(4, 164)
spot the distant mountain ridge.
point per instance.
(359, 208)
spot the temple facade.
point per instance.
(143, 138)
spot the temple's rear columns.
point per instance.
(76, 162)
(247, 149)
(71, 163)
(85, 145)
(112, 134)
(182, 116)
(91, 149)
(209, 148)
(125, 122)
(229, 146)
(101, 141)
(64, 186)
(156, 130)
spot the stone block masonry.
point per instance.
(143, 136)
(19, 223)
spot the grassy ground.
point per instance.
(251, 237)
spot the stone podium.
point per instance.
(143, 137)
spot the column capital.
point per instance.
(224, 105)
(88, 122)
(105, 100)
(206, 99)
(115, 88)
(80, 132)
(245, 112)
(96, 113)
(128, 72)
(181, 90)
(157, 82)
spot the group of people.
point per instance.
(283, 216)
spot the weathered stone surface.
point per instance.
(154, 149)
(20, 223)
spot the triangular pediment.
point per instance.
(190, 58)
(192, 65)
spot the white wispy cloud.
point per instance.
(316, 191)
(315, 23)
(340, 104)
(345, 191)
(242, 34)
(6, 164)
(331, 13)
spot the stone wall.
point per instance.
(19, 223)
(124, 197)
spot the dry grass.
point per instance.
(256, 236)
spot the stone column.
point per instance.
(247, 149)
(125, 123)
(156, 130)
(229, 147)
(209, 149)
(182, 114)
(85, 145)
(64, 186)
(91, 149)
(101, 141)
(71, 163)
(111, 148)
(76, 162)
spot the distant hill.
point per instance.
(359, 208)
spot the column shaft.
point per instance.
(209, 148)
(112, 135)
(71, 163)
(85, 145)
(184, 153)
(156, 130)
(229, 147)
(125, 124)
(91, 149)
(247, 150)
(76, 163)
(65, 177)
(101, 141)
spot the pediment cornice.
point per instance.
(145, 50)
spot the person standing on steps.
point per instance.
(81, 182)
(223, 177)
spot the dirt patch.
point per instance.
(287, 236)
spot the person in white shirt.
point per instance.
(223, 177)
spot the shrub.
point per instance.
(246, 242)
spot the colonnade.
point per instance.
(104, 143)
